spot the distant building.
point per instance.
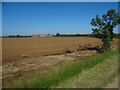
(42, 35)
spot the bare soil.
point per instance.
(15, 69)
(16, 48)
(23, 56)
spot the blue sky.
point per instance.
(27, 18)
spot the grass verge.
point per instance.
(62, 74)
(95, 77)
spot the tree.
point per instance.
(57, 34)
(18, 35)
(105, 26)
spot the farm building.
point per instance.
(42, 35)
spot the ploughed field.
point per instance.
(17, 48)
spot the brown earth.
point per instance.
(16, 48)
(0, 51)
(14, 70)
(17, 65)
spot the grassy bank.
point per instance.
(64, 73)
(95, 77)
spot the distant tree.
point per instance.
(57, 34)
(105, 25)
(9, 35)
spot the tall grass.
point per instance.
(66, 72)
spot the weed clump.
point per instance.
(89, 47)
(67, 51)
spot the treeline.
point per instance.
(82, 35)
(116, 35)
(73, 35)
(19, 36)
(66, 35)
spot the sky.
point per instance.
(27, 18)
(60, 0)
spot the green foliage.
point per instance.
(18, 36)
(95, 77)
(73, 35)
(57, 34)
(105, 25)
(116, 35)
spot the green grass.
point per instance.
(95, 77)
(109, 79)
(64, 73)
